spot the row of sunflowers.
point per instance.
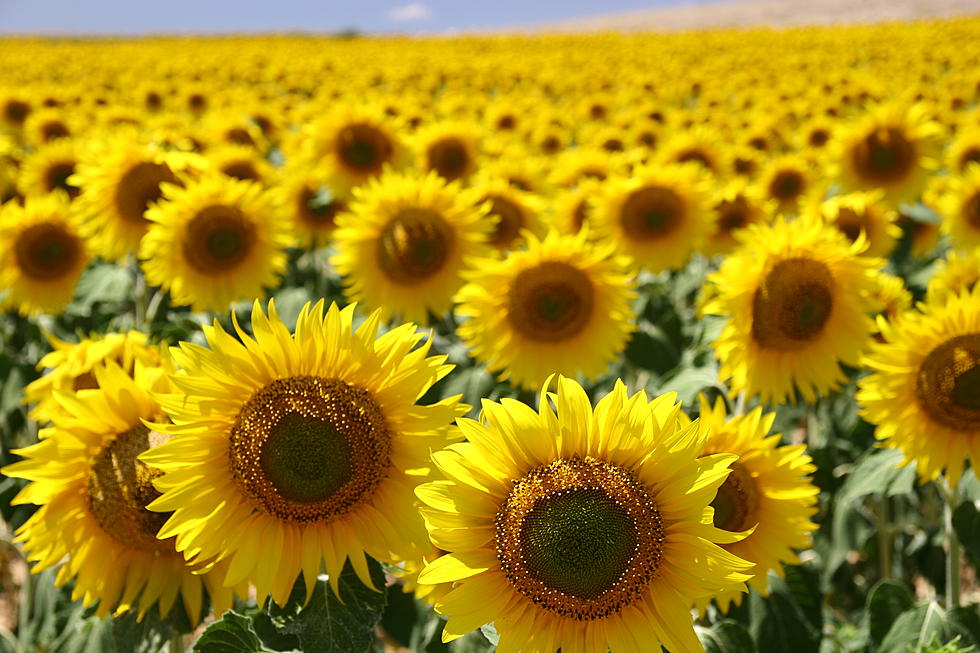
(514, 343)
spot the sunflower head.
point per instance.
(49, 168)
(213, 241)
(69, 366)
(571, 525)
(768, 492)
(736, 206)
(449, 149)
(863, 214)
(796, 295)
(924, 390)
(657, 215)
(957, 272)
(405, 241)
(42, 253)
(562, 304)
(958, 201)
(891, 148)
(511, 211)
(316, 446)
(86, 472)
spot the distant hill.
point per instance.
(743, 13)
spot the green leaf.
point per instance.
(327, 625)
(102, 283)
(490, 632)
(887, 600)
(726, 637)
(401, 615)
(877, 472)
(233, 633)
(915, 628)
(966, 523)
(790, 619)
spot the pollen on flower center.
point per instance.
(550, 302)
(308, 449)
(948, 383)
(792, 304)
(120, 487)
(579, 537)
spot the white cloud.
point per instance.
(410, 12)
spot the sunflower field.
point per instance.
(585, 343)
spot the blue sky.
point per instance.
(140, 16)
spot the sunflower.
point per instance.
(891, 297)
(353, 145)
(69, 366)
(289, 450)
(736, 206)
(404, 243)
(562, 305)
(789, 183)
(42, 254)
(14, 110)
(571, 209)
(923, 392)
(214, 241)
(956, 273)
(49, 167)
(120, 177)
(964, 150)
(796, 295)
(584, 530)
(892, 148)
(511, 211)
(656, 215)
(306, 198)
(864, 213)
(239, 162)
(47, 125)
(448, 148)
(959, 206)
(582, 164)
(93, 492)
(769, 489)
(699, 145)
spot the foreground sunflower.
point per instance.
(214, 241)
(769, 489)
(579, 529)
(562, 305)
(292, 450)
(405, 242)
(924, 390)
(797, 297)
(93, 491)
(42, 254)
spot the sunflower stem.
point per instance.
(950, 498)
(739, 404)
(176, 643)
(139, 300)
(885, 539)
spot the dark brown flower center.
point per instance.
(47, 251)
(414, 246)
(140, 186)
(948, 384)
(652, 212)
(792, 304)
(885, 156)
(120, 487)
(449, 158)
(218, 239)
(550, 302)
(364, 149)
(737, 501)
